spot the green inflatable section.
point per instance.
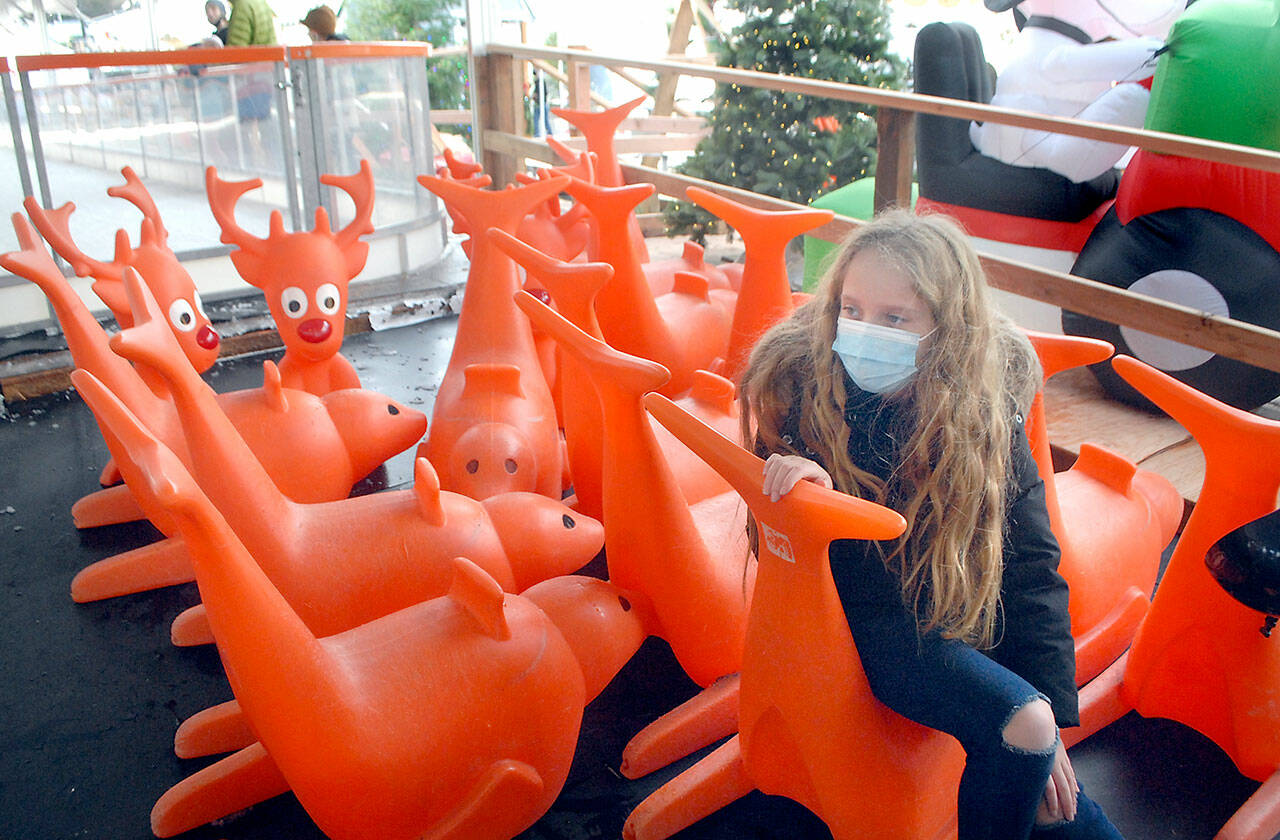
(1220, 79)
(855, 200)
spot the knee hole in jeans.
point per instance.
(1031, 728)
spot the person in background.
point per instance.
(251, 24)
(216, 12)
(322, 25)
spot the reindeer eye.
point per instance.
(195, 296)
(294, 302)
(182, 315)
(328, 298)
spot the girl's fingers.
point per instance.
(1053, 808)
(1070, 786)
(783, 472)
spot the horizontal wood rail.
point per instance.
(450, 117)
(1158, 141)
(504, 147)
(1226, 336)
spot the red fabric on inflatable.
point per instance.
(1018, 230)
(1154, 182)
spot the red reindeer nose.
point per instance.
(207, 337)
(314, 330)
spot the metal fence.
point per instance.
(286, 116)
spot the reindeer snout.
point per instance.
(314, 330)
(207, 337)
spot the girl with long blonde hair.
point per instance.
(899, 383)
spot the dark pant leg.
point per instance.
(947, 685)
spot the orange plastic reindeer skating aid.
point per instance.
(312, 448)
(764, 296)
(1111, 519)
(563, 235)
(452, 718)
(1199, 656)
(809, 727)
(574, 286)
(699, 595)
(494, 428)
(346, 562)
(160, 268)
(662, 275)
(599, 127)
(304, 276)
(629, 317)
(152, 257)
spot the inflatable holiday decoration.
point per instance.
(599, 127)
(1199, 233)
(494, 428)
(1201, 657)
(999, 202)
(699, 593)
(764, 295)
(304, 276)
(1112, 521)
(809, 727)
(1075, 58)
(480, 754)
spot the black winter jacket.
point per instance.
(1034, 629)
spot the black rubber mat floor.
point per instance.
(92, 693)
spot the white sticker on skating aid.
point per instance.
(777, 543)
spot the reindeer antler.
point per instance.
(223, 196)
(32, 262)
(133, 191)
(360, 187)
(54, 226)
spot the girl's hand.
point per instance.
(781, 472)
(1059, 801)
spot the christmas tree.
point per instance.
(789, 145)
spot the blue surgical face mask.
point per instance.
(879, 360)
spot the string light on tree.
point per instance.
(818, 143)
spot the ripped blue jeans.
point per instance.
(947, 685)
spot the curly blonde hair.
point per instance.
(975, 372)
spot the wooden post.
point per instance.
(664, 98)
(500, 103)
(579, 85)
(896, 144)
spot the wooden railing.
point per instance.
(504, 148)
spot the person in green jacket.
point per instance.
(252, 24)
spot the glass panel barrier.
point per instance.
(284, 116)
(168, 122)
(15, 181)
(370, 107)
